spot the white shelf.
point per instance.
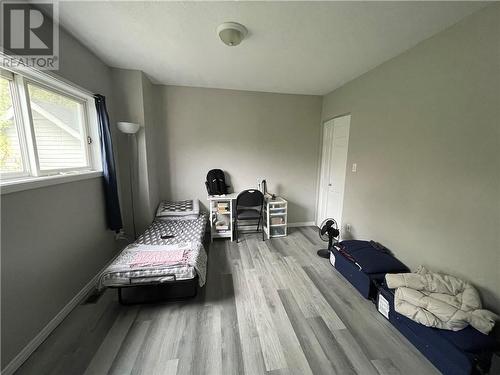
(275, 208)
(216, 216)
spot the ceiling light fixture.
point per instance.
(231, 33)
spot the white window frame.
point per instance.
(18, 123)
(32, 176)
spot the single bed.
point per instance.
(169, 253)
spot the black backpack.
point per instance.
(216, 182)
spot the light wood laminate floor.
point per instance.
(270, 307)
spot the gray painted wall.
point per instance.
(54, 239)
(153, 122)
(248, 135)
(127, 90)
(139, 104)
(425, 134)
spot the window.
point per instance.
(58, 123)
(47, 129)
(11, 159)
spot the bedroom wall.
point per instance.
(53, 239)
(139, 104)
(425, 134)
(153, 121)
(248, 135)
(127, 90)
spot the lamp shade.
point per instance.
(128, 127)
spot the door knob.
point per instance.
(329, 184)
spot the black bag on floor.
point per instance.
(216, 182)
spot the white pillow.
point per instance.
(179, 208)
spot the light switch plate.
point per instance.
(354, 167)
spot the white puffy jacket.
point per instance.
(440, 301)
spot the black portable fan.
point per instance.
(328, 231)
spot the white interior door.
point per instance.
(333, 169)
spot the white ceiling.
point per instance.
(292, 47)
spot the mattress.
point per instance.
(461, 352)
(370, 265)
(186, 235)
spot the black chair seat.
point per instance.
(248, 214)
(249, 206)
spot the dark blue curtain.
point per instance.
(113, 213)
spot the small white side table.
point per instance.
(216, 216)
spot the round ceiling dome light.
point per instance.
(231, 33)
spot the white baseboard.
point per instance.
(24, 354)
(301, 224)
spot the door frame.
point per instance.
(320, 204)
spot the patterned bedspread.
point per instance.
(177, 235)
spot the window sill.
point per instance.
(28, 183)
